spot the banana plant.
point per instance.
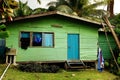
(6, 9)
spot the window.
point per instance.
(48, 40)
(42, 39)
(37, 39)
(25, 40)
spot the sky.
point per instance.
(34, 4)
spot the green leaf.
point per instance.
(4, 34)
(2, 26)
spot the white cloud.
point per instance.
(117, 6)
(34, 4)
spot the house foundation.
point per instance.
(11, 56)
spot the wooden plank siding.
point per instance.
(104, 45)
(88, 38)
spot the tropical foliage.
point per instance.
(6, 12)
(80, 7)
(116, 22)
(110, 6)
(25, 10)
(3, 32)
(6, 9)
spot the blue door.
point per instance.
(73, 47)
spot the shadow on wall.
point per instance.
(2, 54)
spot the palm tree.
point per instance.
(78, 5)
(91, 11)
(110, 8)
(81, 7)
(67, 6)
(65, 9)
(23, 9)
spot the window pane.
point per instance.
(25, 40)
(25, 35)
(48, 40)
(37, 39)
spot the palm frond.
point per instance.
(24, 4)
(58, 3)
(65, 9)
(36, 11)
(39, 1)
(105, 1)
(94, 5)
(5, 3)
(23, 9)
(95, 13)
(52, 3)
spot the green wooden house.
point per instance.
(106, 44)
(53, 36)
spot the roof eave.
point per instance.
(78, 18)
(53, 13)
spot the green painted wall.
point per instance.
(104, 44)
(88, 38)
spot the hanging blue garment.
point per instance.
(38, 38)
(100, 60)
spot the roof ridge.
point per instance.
(53, 13)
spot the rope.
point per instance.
(110, 47)
(5, 71)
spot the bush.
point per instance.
(118, 60)
(54, 68)
(35, 67)
(46, 68)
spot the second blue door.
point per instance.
(73, 47)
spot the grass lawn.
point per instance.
(14, 74)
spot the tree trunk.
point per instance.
(110, 8)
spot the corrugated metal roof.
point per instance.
(58, 13)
